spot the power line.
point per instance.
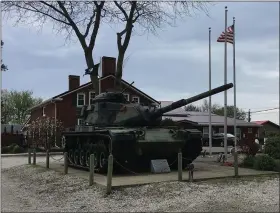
(265, 110)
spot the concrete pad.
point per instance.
(202, 171)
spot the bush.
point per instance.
(5, 150)
(13, 145)
(248, 161)
(18, 149)
(254, 148)
(272, 147)
(264, 162)
(276, 165)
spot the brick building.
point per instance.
(66, 106)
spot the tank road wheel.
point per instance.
(76, 157)
(96, 156)
(87, 158)
(103, 159)
(71, 156)
(82, 159)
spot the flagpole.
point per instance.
(234, 83)
(225, 82)
(210, 105)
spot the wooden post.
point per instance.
(91, 169)
(191, 168)
(48, 159)
(180, 167)
(29, 156)
(65, 163)
(109, 174)
(34, 156)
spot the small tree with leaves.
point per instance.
(217, 109)
(15, 105)
(43, 131)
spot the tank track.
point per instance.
(81, 147)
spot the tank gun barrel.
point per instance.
(183, 102)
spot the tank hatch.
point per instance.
(116, 97)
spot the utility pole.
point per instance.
(249, 115)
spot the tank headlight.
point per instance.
(140, 133)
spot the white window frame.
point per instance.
(138, 99)
(250, 131)
(78, 99)
(89, 96)
(205, 132)
(43, 111)
(128, 98)
(79, 121)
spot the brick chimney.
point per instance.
(73, 82)
(108, 66)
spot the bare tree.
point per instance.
(83, 19)
(79, 18)
(43, 130)
(148, 16)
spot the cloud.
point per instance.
(170, 66)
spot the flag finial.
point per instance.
(226, 7)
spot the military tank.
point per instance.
(132, 133)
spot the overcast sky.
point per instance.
(170, 66)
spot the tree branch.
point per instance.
(54, 8)
(89, 24)
(74, 26)
(96, 24)
(38, 11)
(121, 9)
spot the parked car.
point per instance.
(218, 140)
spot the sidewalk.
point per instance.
(26, 154)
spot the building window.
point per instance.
(249, 130)
(136, 99)
(205, 131)
(238, 133)
(91, 97)
(44, 109)
(80, 121)
(80, 99)
(126, 95)
(221, 130)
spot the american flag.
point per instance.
(230, 32)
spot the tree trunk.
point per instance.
(118, 85)
(94, 74)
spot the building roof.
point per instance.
(88, 84)
(261, 122)
(202, 118)
(265, 122)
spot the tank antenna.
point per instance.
(126, 87)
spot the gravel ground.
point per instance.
(29, 189)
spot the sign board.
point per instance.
(160, 166)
